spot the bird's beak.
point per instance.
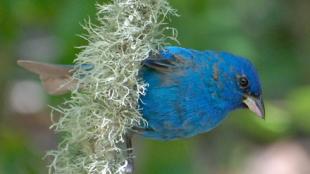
(256, 105)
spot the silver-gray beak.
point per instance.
(256, 105)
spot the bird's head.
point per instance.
(240, 83)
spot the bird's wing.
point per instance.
(165, 64)
(56, 79)
(162, 72)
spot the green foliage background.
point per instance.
(275, 35)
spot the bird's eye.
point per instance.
(243, 82)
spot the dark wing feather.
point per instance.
(161, 64)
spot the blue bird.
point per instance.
(190, 92)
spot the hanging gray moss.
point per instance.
(104, 106)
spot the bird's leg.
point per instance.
(130, 166)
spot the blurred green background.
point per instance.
(275, 35)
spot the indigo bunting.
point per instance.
(190, 92)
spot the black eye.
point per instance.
(243, 82)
